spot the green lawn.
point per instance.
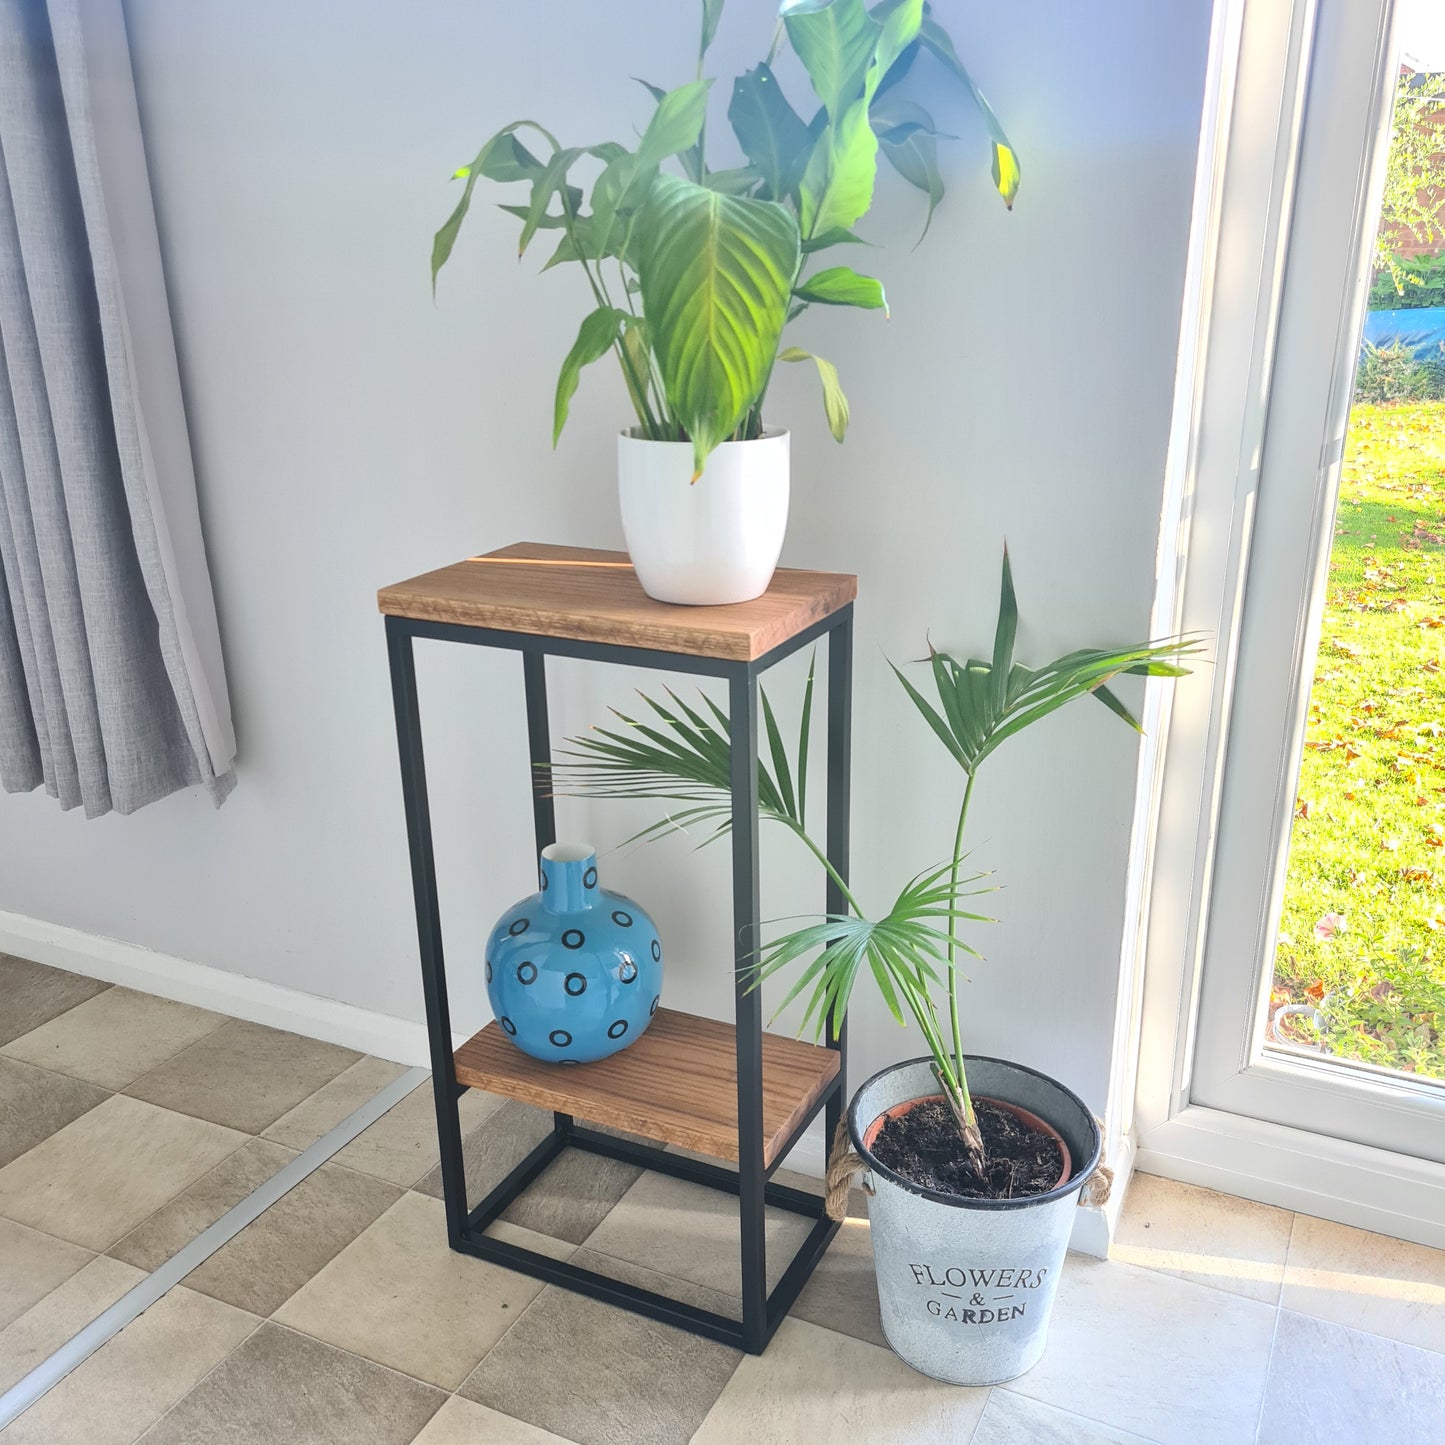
(1368, 841)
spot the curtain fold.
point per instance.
(112, 691)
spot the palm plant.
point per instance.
(693, 276)
(680, 755)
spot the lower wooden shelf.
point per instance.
(676, 1084)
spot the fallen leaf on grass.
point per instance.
(1417, 875)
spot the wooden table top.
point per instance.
(678, 1083)
(594, 596)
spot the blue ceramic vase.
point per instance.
(574, 973)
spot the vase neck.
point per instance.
(569, 877)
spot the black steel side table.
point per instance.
(733, 1092)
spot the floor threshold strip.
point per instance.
(51, 1371)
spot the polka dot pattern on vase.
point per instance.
(574, 972)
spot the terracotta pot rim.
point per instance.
(1024, 1116)
(1081, 1169)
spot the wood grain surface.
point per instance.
(677, 1083)
(594, 596)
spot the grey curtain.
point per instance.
(112, 691)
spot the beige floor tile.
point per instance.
(34, 993)
(692, 1232)
(528, 1239)
(34, 1103)
(599, 1375)
(281, 1388)
(31, 1265)
(1009, 1419)
(133, 1379)
(243, 1075)
(1210, 1238)
(1173, 1361)
(842, 1293)
(461, 1422)
(178, 1222)
(61, 1315)
(813, 1385)
(269, 1260)
(115, 1037)
(402, 1145)
(567, 1200)
(302, 1126)
(1333, 1386)
(399, 1296)
(679, 1289)
(98, 1177)
(1367, 1281)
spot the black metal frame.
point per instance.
(751, 1181)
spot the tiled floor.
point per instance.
(341, 1316)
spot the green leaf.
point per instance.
(843, 286)
(1004, 634)
(508, 159)
(985, 704)
(570, 249)
(595, 338)
(711, 14)
(550, 221)
(639, 359)
(901, 27)
(837, 186)
(824, 239)
(655, 91)
(774, 137)
(717, 273)
(1115, 706)
(781, 772)
(907, 139)
(930, 714)
(837, 40)
(835, 404)
(738, 181)
(675, 125)
(1006, 169)
(552, 180)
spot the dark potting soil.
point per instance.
(924, 1146)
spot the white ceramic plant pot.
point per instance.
(713, 540)
(965, 1286)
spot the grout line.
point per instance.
(1269, 1364)
(49, 1372)
(185, 1394)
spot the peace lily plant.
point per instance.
(692, 272)
(914, 953)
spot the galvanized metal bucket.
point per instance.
(966, 1286)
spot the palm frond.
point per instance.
(983, 704)
(900, 950)
(682, 755)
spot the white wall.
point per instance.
(349, 433)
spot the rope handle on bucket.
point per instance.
(845, 1165)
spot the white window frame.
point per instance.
(1262, 170)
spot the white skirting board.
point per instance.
(400, 1040)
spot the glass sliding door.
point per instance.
(1322, 998)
